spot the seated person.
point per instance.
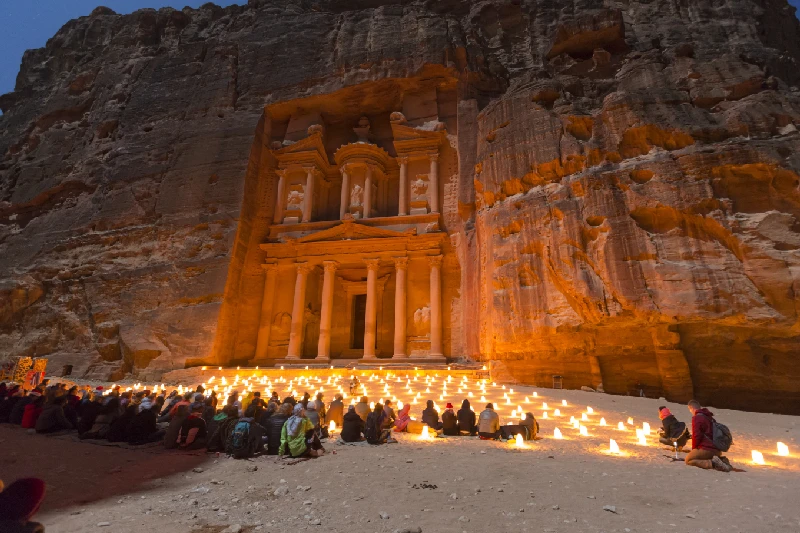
(489, 424)
(449, 421)
(362, 408)
(297, 436)
(193, 432)
(672, 431)
(528, 427)
(352, 426)
(18, 503)
(32, 412)
(430, 416)
(403, 418)
(52, 418)
(143, 428)
(466, 419)
(374, 430)
(274, 427)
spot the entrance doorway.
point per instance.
(359, 319)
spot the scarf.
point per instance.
(295, 421)
(403, 418)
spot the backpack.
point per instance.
(720, 436)
(239, 440)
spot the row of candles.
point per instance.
(463, 386)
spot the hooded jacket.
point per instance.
(488, 422)
(703, 430)
(274, 426)
(52, 419)
(430, 415)
(672, 428)
(352, 427)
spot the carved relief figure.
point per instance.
(419, 187)
(356, 196)
(295, 199)
(422, 321)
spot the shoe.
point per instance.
(720, 465)
(725, 460)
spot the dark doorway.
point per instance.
(359, 317)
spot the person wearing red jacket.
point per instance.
(704, 454)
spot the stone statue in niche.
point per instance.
(295, 199)
(356, 196)
(363, 130)
(419, 187)
(422, 320)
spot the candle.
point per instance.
(612, 446)
(544, 405)
(630, 421)
(584, 417)
(602, 421)
(783, 449)
(425, 431)
(642, 440)
(519, 441)
(557, 413)
(535, 395)
(584, 432)
(621, 426)
(544, 414)
(557, 434)
(589, 410)
(758, 457)
(332, 426)
(646, 428)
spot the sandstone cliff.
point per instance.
(626, 208)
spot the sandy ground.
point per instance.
(457, 484)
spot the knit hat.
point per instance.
(664, 413)
(448, 406)
(20, 500)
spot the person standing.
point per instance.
(336, 411)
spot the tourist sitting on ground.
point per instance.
(186, 400)
(704, 454)
(171, 401)
(73, 398)
(335, 412)
(489, 424)
(320, 405)
(313, 416)
(52, 418)
(290, 400)
(246, 439)
(118, 432)
(403, 418)
(528, 427)
(19, 502)
(449, 421)
(266, 414)
(672, 433)
(298, 438)
(193, 432)
(362, 408)
(90, 408)
(374, 430)
(466, 420)
(306, 398)
(388, 422)
(32, 412)
(174, 428)
(430, 416)
(221, 427)
(13, 396)
(143, 429)
(274, 427)
(19, 408)
(208, 411)
(255, 407)
(102, 424)
(352, 426)
(233, 399)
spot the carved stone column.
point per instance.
(324, 346)
(344, 204)
(434, 182)
(402, 209)
(370, 319)
(267, 303)
(308, 201)
(400, 298)
(298, 310)
(436, 305)
(281, 197)
(368, 192)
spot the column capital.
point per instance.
(281, 172)
(343, 169)
(330, 266)
(311, 169)
(270, 267)
(373, 264)
(433, 157)
(400, 263)
(435, 260)
(402, 159)
(304, 268)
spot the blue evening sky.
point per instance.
(28, 24)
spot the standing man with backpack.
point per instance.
(709, 440)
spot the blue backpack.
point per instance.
(239, 441)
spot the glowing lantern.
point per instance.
(544, 405)
(612, 446)
(584, 432)
(557, 413)
(589, 410)
(783, 450)
(483, 398)
(630, 421)
(602, 421)
(535, 395)
(564, 403)
(332, 426)
(646, 428)
(519, 441)
(425, 432)
(584, 417)
(642, 440)
(557, 434)
(527, 400)
(544, 414)
(758, 457)
(621, 426)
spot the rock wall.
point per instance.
(626, 209)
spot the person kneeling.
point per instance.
(704, 454)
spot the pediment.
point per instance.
(312, 143)
(350, 230)
(408, 133)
